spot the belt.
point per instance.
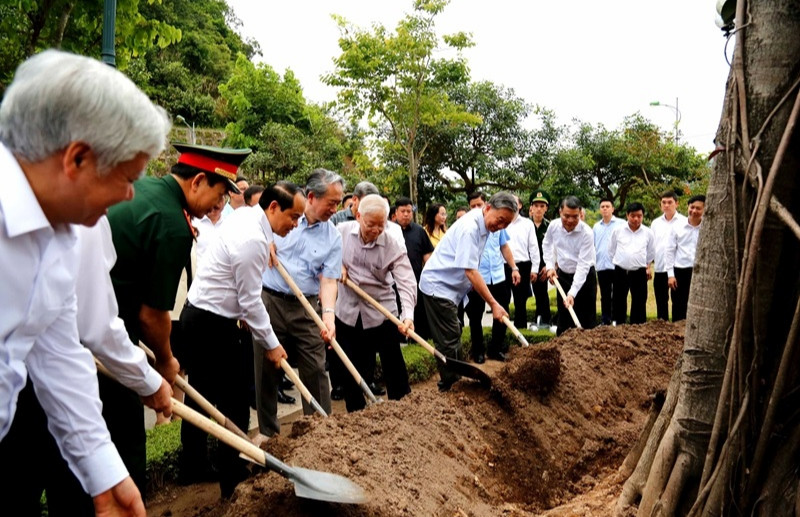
(279, 294)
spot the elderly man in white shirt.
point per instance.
(679, 256)
(662, 227)
(569, 256)
(631, 249)
(227, 290)
(524, 247)
(69, 148)
(375, 261)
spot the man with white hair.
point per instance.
(374, 261)
(452, 271)
(74, 136)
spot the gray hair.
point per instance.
(320, 179)
(364, 188)
(57, 98)
(571, 202)
(504, 200)
(372, 204)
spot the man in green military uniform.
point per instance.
(539, 204)
(153, 239)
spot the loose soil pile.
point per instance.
(556, 424)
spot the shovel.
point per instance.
(302, 388)
(516, 332)
(308, 484)
(201, 401)
(564, 297)
(459, 367)
(335, 344)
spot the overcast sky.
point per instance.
(586, 59)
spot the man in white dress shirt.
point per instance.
(74, 136)
(680, 252)
(662, 227)
(631, 249)
(602, 230)
(227, 289)
(524, 247)
(568, 249)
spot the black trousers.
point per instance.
(605, 280)
(634, 281)
(661, 292)
(443, 319)
(539, 289)
(30, 463)
(474, 311)
(585, 302)
(521, 293)
(360, 346)
(216, 362)
(680, 296)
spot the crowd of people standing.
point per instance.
(92, 270)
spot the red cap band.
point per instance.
(207, 164)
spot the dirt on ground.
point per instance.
(546, 439)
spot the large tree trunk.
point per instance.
(732, 444)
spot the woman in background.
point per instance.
(436, 222)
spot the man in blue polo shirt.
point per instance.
(453, 270)
(312, 255)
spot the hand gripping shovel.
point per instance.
(459, 367)
(308, 484)
(335, 344)
(564, 297)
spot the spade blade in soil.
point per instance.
(324, 486)
(469, 370)
(317, 485)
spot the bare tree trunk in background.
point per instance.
(733, 439)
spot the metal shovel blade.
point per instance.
(468, 370)
(315, 484)
(324, 486)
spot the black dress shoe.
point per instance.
(480, 358)
(337, 393)
(445, 385)
(498, 356)
(376, 389)
(283, 398)
(286, 384)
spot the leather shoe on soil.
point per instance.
(283, 398)
(480, 359)
(376, 389)
(498, 356)
(445, 385)
(337, 393)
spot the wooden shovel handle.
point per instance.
(321, 324)
(200, 400)
(394, 319)
(570, 309)
(516, 332)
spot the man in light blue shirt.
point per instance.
(605, 267)
(452, 271)
(492, 271)
(312, 255)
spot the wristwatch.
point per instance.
(515, 268)
(327, 309)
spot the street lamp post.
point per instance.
(182, 120)
(677, 115)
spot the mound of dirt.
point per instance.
(557, 422)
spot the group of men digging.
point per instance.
(89, 270)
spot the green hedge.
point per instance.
(163, 448)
